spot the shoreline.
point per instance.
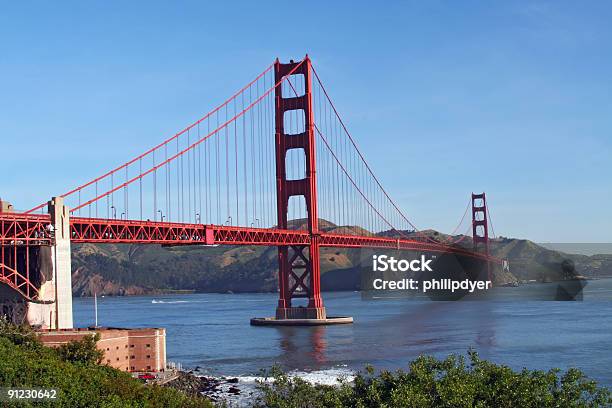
(241, 390)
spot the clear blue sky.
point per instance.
(513, 98)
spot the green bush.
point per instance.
(24, 362)
(18, 334)
(82, 351)
(441, 383)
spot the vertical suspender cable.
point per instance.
(236, 164)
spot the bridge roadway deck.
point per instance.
(30, 229)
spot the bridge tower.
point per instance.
(480, 227)
(299, 271)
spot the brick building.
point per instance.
(132, 350)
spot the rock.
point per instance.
(191, 384)
(206, 387)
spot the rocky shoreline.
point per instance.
(215, 389)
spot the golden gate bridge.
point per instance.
(273, 165)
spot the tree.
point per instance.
(18, 334)
(84, 351)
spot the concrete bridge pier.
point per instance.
(50, 271)
(62, 264)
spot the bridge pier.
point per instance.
(46, 267)
(62, 263)
(299, 276)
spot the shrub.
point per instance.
(82, 351)
(18, 334)
(441, 383)
(24, 362)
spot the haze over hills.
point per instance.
(123, 269)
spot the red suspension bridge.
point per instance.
(273, 165)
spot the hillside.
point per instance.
(75, 372)
(140, 269)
